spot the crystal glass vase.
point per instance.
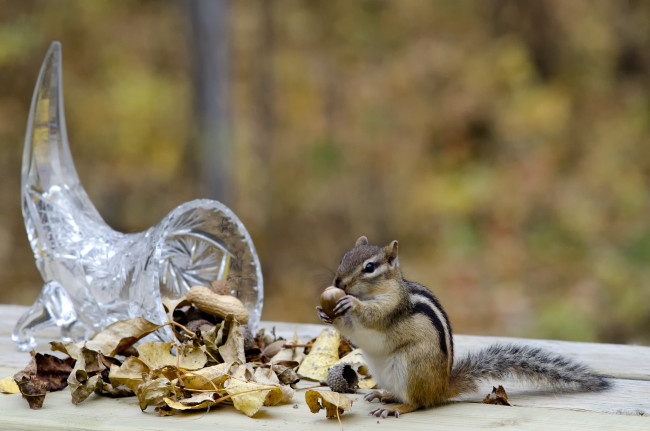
(94, 275)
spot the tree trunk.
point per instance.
(210, 35)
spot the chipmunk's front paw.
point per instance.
(322, 315)
(345, 305)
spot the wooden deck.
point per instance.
(625, 407)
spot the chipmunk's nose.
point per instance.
(339, 284)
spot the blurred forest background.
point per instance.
(505, 144)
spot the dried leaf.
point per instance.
(33, 390)
(248, 397)
(85, 378)
(8, 386)
(157, 355)
(355, 357)
(233, 349)
(210, 341)
(154, 392)
(54, 371)
(323, 354)
(333, 403)
(268, 376)
(498, 396)
(290, 354)
(121, 335)
(345, 348)
(71, 349)
(85, 387)
(287, 394)
(171, 304)
(195, 402)
(286, 375)
(272, 349)
(43, 373)
(367, 383)
(210, 378)
(129, 374)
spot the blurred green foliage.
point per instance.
(505, 144)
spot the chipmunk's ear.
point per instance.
(361, 241)
(391, 252)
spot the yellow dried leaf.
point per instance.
(368, 383)
(71, 349)
(266, 376)
(129, 374)
(355, 357)
(121, 335)
(233, 349)
(154, 392)
(196, 402)
(287, 394)
(210, 378)
(8, 386)
(333, 403)
(171, 304)
(324, 353)
(158, 355)
(249, 397)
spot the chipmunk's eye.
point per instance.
(370, 267)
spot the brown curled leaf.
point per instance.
(44, 373)
(498, 397)
(53, 370)
(33, 390)
(335, 404)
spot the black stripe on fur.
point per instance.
(424, 308)
(419, 307)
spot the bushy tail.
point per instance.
(524, 363)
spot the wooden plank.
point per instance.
(630, 397)
(123, 414)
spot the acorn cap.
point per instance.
(342, 378)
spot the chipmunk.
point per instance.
(407, 340)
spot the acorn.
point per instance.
(329, 298)
(272, 349)
(343, 379)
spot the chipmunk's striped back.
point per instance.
(426, 303)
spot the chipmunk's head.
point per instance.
(367, 270)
